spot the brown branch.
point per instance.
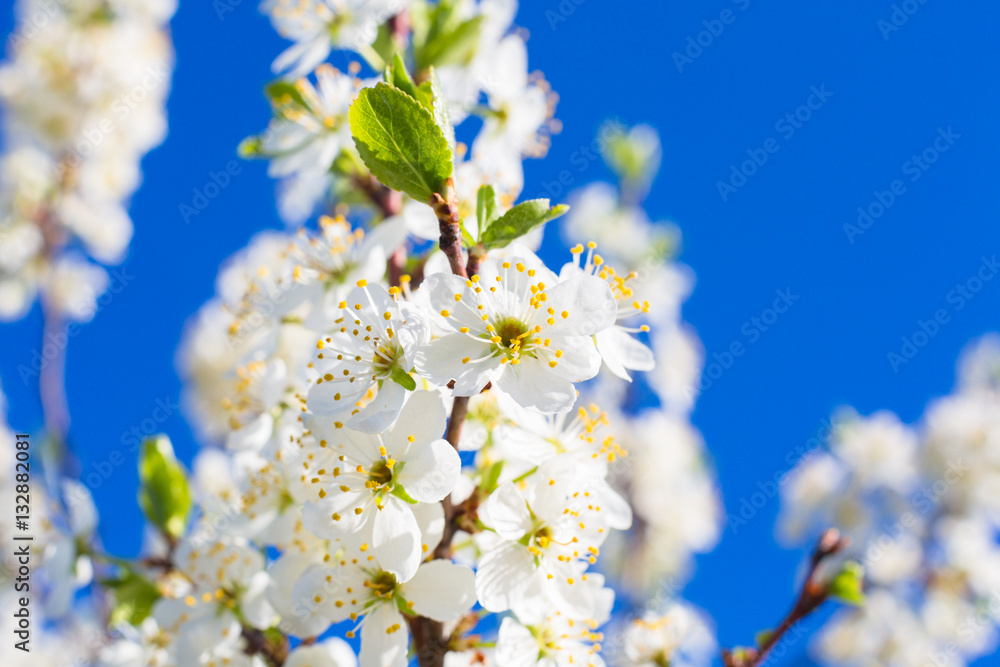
(259, 643)
(389, 202)
(429, 639)
(449, 222)
(814, 593)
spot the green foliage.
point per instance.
(441, 36)
(486, 207)
(404, 379)
(399, 142)
(491, 476)
(848, 584)
(134, 598)
(518, 221)
(634, 155)
(163, 493)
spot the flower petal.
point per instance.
(382, 411)
(503, 575)
(622, 352)
(441, 590)
(431, 471)
(516, 646)
(507, 513)
(440, 361)
(532, 384)
(396, 539)
(587, 302)
(384, 638)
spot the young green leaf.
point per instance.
(400, 78)
(848, 584)
(451, 46)
(399, 142)
(134, 598)
(763, 637)
(404, 379)
(163, 493)
(520, 220)
(486, 207)
(491, 476)
(442, 116)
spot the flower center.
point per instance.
(380, 474)
(383, 584)
(385, 358)
(510, 335)
(543, 537)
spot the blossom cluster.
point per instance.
(82, 92)
(401, 438)
(920, 504)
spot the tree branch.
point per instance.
(813, 594)
(449, 222)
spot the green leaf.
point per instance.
(399, 142)
(490, 476)
(134, 599)
(250, 148)
(520, 220)
(400, 492)
(283, 93)
(848, 584)
(400, 78)
(486, 207)
(762, 637)
(467, 239)
(440, 107)
(384, 46)
(401, 377)
(163, 491)
(450, 45)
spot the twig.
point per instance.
(429, 639)
(813, 594)
(449, 222)
(259, 643)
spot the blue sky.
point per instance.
(865, 98)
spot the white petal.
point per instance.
(532, 384)
(255, 606)
(317, 515)
(441, 590)
(507, 513)
(516, 646)
(396, 539)
(622, 352)
(430, 518)
(82, 511)
(334, 398)
(382, 411)
(431, 471)
(503, 575)
(333, 652)
(588, 302)
(580, 361)
(424, 417)
(440, 361)
(384, 638)
(252, 435)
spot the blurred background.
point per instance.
(838, 159)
